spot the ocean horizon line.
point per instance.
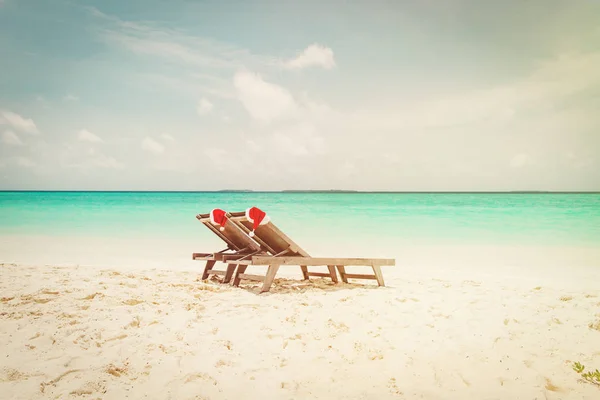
(291, 191)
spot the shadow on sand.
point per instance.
(285, 286)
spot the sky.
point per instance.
(454, 95)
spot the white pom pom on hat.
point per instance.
(257, 217)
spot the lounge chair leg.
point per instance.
(333, 273)
(229, 273)
(304, 272)
(378, 275)
(271, 272)
(241, 269)
(209, 265)
(342, 271)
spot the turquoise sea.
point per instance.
(432, 218)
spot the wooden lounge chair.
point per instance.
(239, 247)
(284, 251)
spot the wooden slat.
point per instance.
(238, 221)
(217, 272)
(214, 256)
(269, 236)
(207, 268)
(271, 272)
(240, 262)
(314, 261)
(342, 270)
(235, 257)
(360, 276)
(240, 271)
(378, 275)
(235, 237)
(220, 234)
(203, 256)
(229, 273)
(304, 272)
(251, 277)
(322, 274)
(332, 273)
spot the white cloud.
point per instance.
(299, 140)
(204, 107)
(221, 88)
(86, 136)
(153, 39)
(143, 40)
(521, 160)
(10, 138)
(80, 156)
(152, 146)
(314, 55)
(71, 97)
(18, 122)
(552, 81)
(25, 162)
(168, 137)
(104, 161)
(264, 101)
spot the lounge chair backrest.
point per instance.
(270, 237)
(235, 237)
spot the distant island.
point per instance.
(402, 192)
(321, 191)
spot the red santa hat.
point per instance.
(257, 217)
(217, 217)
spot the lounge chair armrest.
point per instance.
(315, 261)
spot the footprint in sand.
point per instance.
(200, 376)
(133, 302)
(167, 350)
(466, 382)
(118, 371)
(551, 387)
(92, 296)
(12, 375)
(89, 389)
(223, 363)
(290, 385)
(227, 344)
(54, 381)
(337, 327)
(135, 323)
(120, 337)
(375, 355)
(393, 387)
(595, 325)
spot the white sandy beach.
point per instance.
(436, 332)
